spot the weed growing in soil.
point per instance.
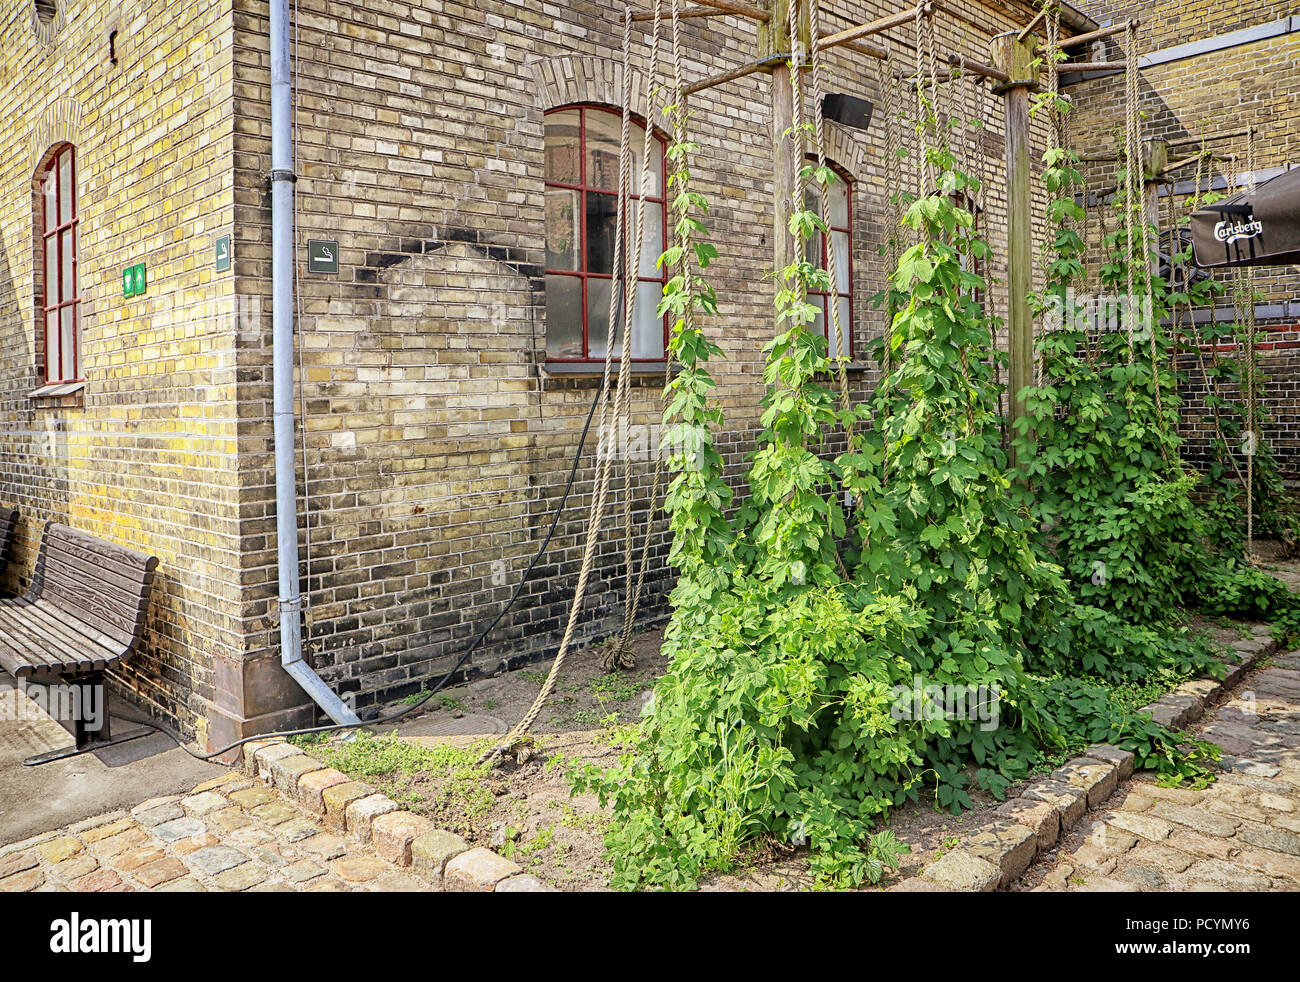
(451, 785)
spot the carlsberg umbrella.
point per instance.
(1253, 228)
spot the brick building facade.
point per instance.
(1211, 70)
(436, 436)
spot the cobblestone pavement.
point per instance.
(229, 834)
(1242, 833)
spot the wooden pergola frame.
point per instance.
(1012, 70)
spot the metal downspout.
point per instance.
(282, 305)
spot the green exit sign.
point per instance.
(134, 281)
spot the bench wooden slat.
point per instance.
(52, 630)
(21, 652)
(122, 576)
(8, 523)
(108, 553)
(118, 603)
(29, 638)
(51, 612)
(70, 564)
(78, 643)
(93, 610)
(73, 565)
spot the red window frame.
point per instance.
(584, 188)
(827, 325)
(64, 296)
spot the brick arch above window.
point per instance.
(848, 153)
(60, 123)
(585, 79)
(48, 18)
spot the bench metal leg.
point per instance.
(89, 748)
(88, 740)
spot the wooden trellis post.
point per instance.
(1155, 161)
(1016, 59)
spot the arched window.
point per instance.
(840, 222)
(582, 155)
(59, 287)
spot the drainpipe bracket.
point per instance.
(291, 606)
(282, 174)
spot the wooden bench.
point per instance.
(83, 615)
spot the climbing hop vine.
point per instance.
(875, 556)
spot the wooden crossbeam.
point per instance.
(979, 68)
(1029, 28)
(1081, 39)
(761, 64)
(866, 48)
(738, 8)
(1093, 66)
(1230, 135)
(874, 27)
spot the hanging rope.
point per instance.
(957, 97)
(1132, 186)
(924, 108)
(1211, 381)
(621, 315)
(819, 135)
(605, 440)
(1053, 25)
(796, 126)
(1252, 413)
(892, 87)
(1138, 249)
(1053, 75)
(1104, 231)
(618, 653)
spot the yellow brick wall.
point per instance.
(436, 443)
(145, 454)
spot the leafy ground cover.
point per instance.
(525, 809)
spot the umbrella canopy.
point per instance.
(1254, 228)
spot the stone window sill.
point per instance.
(587, 375)
(598, 368)
(58, 395)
